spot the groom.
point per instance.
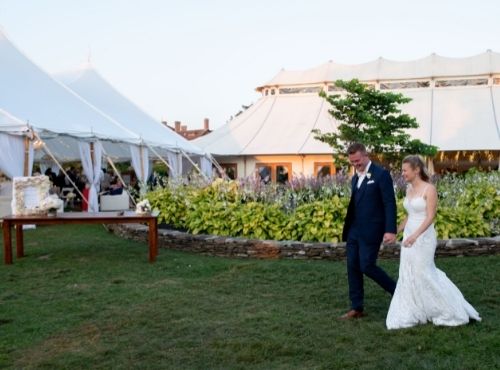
(370, 220)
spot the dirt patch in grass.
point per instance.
(80, 340)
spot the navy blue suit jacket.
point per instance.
(372, 208)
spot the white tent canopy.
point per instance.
(456, 102)
(63, 118)
(31, 95)
(11, 124)
(276, 124)
(381, 69)
(90, 85)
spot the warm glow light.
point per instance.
(37, 144)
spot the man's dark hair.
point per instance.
(356, 147)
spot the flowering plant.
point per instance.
(368, 175)
(51, 203)
(143, 206)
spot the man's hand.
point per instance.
(389, 238)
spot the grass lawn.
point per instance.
(83, 298)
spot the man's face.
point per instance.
(359, 161)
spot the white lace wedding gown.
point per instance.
(423, 292)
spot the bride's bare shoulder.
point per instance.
(430, 190)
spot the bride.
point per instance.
(423, 292)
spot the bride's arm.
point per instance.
(431, 196)
(402, 225)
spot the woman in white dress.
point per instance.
(423, 292)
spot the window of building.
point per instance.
(264, 172)
(334, 88)
(267, 92)
(462, 82)
(323, 169)
(274, 172)
(231, 170)
(404, 85)
(273, 92)
(496, 81)
(300, 90)
(282, 174)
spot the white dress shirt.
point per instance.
(362, 175)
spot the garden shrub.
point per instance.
(314, 210)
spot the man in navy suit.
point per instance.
(370, 220)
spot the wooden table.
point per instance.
(75, 218)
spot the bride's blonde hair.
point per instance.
(415, 162)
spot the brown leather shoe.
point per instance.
(352, 314)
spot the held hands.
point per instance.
(389, 238)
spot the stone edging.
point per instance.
(264, 249)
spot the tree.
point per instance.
(373, 118)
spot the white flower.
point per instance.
(143, 206)
(51, 202)
(368, 175)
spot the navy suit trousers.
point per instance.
(362, 259)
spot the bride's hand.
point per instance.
(408, 242)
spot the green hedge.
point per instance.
(469, 206)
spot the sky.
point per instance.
(184, 60)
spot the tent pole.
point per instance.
(141, 156)
(26, 155)
(125, 186)
(430, 165)
(160, 157)
(92, 158)
(218, 166)
(47, 150)
(194, 164)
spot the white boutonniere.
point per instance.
(368, 176)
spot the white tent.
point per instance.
(90, 85)
(67, 122)
(12, 125)
(13, 149)
(456, 102)
(382, 69)
(275, 124)
(31, 95)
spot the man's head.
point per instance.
(358, 157)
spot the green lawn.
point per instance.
(83, 298)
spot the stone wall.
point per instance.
(265, 249)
